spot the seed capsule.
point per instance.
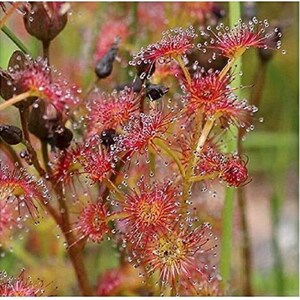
(145, 68)
(62, 137)
(46, 20)
(12, 135)
(104, 65)
(155, 92)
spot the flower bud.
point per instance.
(155, 91)
(104, 65)
(45, 20)
(12, 135)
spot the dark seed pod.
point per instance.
(45, 20)
(107, 137)
(42, 119)
(62, 137)
(145, 71)
(155, 91)
(11, 135)
(104, 65)
(17, 60)
(6, 87)
(136, 85)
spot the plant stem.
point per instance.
(189, 169)
(75, 252)
(184, 69)
(24, 122)
(231, 63)
(45, 156)
(203, 177)
(259, 82)
(172, 154)
(276, 203)
(199, 141)
(246, 243)
(14, 39)
(204, 135)
(117, 216)
(15, 100)
(46, 53)
(226, 240)
(152, 160)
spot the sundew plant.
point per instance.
(109, 142)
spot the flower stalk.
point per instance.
(226, 241)
(14, 39)
(185, 71)
(16, 99)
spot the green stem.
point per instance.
(172, 154)
(14, 39)
(276, 203)
(117, 216)
(152, 160)
(198, 178)
(226, 240)
(15, 100)
(184, 69)
(24, 115)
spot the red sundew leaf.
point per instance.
(35, 77)
(174, 42)
(110, 111)
(7, 219)
(68, 163)
(18, 185)
(177, 254)
(207, 285)
(141, 132)
(234, 171)
(20, 286)
(241, 37)
(211, 95)
(151, 209)
(92, 222)
(98, 165)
